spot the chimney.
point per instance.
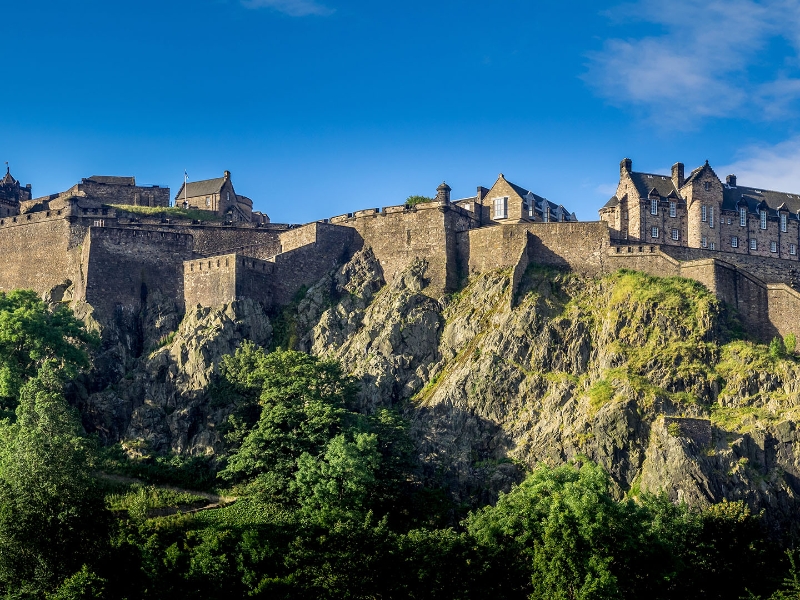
(227, 174)
(625, 166)
(677, 175)
(731, 180)
(443, 193)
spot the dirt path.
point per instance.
(214, 500)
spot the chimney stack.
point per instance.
(677, 175)
(625, 165)
(227, 174)
(731, 180)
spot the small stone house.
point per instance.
(217, 195)
(700, 211)
(506, 202)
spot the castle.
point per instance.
(112, 243)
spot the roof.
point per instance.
(645, 182)
(699, 171)
(8, 179)
(732, 196)
(112, 180)
(612, 202)
(201, 188)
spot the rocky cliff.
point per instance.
(649, 377)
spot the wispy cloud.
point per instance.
(293, 8)
(770, 167)
(696, 59)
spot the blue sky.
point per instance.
(320, 107)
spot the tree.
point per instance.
(52, 517)
(30, 334)
(302, 407)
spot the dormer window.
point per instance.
(673, 208)
(763, 214)
(783, 222)
(500, 208)
(742, 217)
(654, 206)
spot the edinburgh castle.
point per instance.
(111, 243)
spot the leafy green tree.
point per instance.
(414, 200)
(52, 518)
(30, 334)
(302, 407)
(341, 484)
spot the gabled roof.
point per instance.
(699, 171)
(645, 182)
(7, 178)
(112, 180)
(201, 188)
(752, 197)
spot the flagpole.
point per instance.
(185, 185)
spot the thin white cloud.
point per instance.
(769, 167)
(293, 8)
(697, 59)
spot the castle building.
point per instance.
(700, 211)
(12, 194)
(217, 195)
(506, 202)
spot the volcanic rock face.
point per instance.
(643, 375)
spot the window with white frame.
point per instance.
(704, 242)
(654, 206)
(703, 213)
(753, 245)
(773, 246)
(792, 249)
(783, 222)
(546, 213)
(673, 208)
(654, 232)
(674, 234)
(500, 208)
(711, 216)
(763, 219)
(713, 245)
(742, 217)
(734, 242)
(208, 200)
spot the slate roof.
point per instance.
(731, 196)
(111, 180)
(645, 182)
(201, 188)
(612, 202)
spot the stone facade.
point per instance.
(218, 196)
(12, 194)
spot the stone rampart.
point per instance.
(224, 278)
(124, 265)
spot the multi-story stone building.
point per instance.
(11, 194)
(700, 211)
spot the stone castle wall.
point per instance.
(125, 265)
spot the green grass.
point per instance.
(140, 501)
(173, 212)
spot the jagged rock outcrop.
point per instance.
(162, 403)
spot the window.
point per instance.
(208, 200)
(713, 245)
(654, 207)
(753, 245)
(704, 242)
(783, 222)
(792, 249)
(530, 209)
(674, 234)
(99, 223)
(703, 213)
(707, 186)
(624, 214)
(654, 232)
(742, 217)
(734, 242)
(546, 214)
(229, 196)
(711, 217)
(773, 246)
(763, 214)
(673, 209)
(500, 208)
